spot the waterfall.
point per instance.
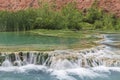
(6, 63)
(63, 59)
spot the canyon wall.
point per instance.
(112, 6)
(108, 5)
(17, 4)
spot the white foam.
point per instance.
(80, 72)
(66, 74)
(6, 63)
(62, 75)
(23, 68)
(106, 69)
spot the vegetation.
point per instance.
(69, 17)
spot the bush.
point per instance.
(98, 24)
(69, 17)
(85, 25)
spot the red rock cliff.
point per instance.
(17, 4)
(108, 5)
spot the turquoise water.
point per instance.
(113, 41)
(113, 37)
(12, 39)
(59, 71)
(43, 73)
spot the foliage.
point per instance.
(69, 17)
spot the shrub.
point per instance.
(69, 17)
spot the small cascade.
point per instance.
(6, 63)
(23, 58)
(99, 56)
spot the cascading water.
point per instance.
(99, 63)
(6, 63)
(87, 58)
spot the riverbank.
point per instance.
(82, 34)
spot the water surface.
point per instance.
(62, 69)
(21, 39)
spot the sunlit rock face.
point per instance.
(17, 4)
(107, 5)
(110, 6)
(81, 4)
